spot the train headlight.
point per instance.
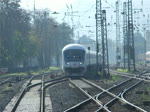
(67, 63)
(81, 63)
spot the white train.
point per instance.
(76, 59)
(148, 58)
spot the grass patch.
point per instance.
(122, 70)
(13, 74)
(47, 70)
(146, 97)
(115, 77)
(54, 68)
(37, 72)
(148, 89)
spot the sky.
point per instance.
(84, 13)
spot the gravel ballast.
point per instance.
(141, 93)
(64, 96)
(8, 91)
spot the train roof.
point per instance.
(78, 46)
(74, 46)
(148, 52)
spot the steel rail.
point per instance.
(27, 87)
(78, 105)
(131, 75)
(88, 100)
(108, 104)
(42, 109)
(30, 86)
(113, 87)
(120, 99)
(143, 72)
(98, 87)
(126, 90)
(90, 97)
(5, 81)
(44, 88)
(21, 95)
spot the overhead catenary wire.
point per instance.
(88, 10)
(109, 4)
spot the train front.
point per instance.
(74, 59)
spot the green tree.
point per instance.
(139, 46)
(52, 36)
(12, 19)
(23, 40)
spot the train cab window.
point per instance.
(74, 55)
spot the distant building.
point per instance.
(87, 42)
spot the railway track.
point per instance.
(98, 99)
(105, 99)
(45, 85)
(6, 80)
(21, 95)
(11, 79)
(38, 87)
(90, 103)
(138, 77)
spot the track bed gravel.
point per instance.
(91, 107)
(141, 93)
(64, 96)
(7, 92)
(118, 107)
(108, 83)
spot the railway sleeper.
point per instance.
(142, 92)
(146, 103)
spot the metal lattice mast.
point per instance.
(125, 56)
(98, 31)
(104, 44)
(131, 54)
(118, 44)
(101, 39)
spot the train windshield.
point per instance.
(74, 55)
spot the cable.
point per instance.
(109, 4)
(95, 5)
(88, 10)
